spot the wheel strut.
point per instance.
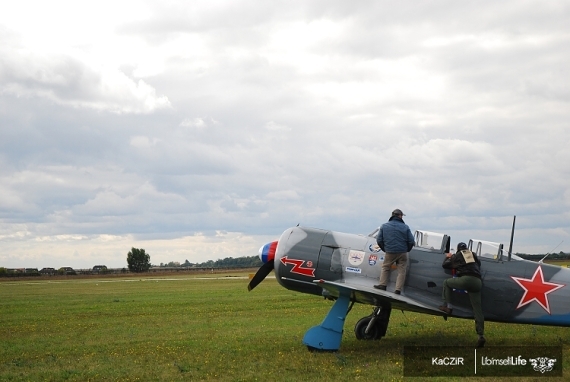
(374, 326)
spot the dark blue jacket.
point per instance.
(395, 236)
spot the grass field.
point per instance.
(560, 263)
(184, 328)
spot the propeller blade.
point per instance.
(260, 275)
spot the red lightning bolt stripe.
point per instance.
(298, 268)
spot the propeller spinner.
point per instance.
(267, 255)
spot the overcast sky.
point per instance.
(202, 130)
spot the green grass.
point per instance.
(194, 329)
(560, 263)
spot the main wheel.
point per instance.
(373, 332)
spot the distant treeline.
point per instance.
(552, 256)
(255, 262)
(228, 262)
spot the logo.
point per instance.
(372, 260)
(501, 361)
(353, 270)
(542, 364)
(447, 361)
(355, 257)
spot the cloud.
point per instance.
(159, 123)
(143, 142)
(66, 81)
(197, 123)
(85, 252)
(273, 126)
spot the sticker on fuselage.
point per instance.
(372, 260)
(355, 257)
(353, 270)
(374, 248)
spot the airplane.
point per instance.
(344, 267)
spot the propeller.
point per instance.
(267, 255)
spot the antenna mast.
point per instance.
(512, 237)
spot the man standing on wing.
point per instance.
(396, 239)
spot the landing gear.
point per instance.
(373, 327)
(327, 335)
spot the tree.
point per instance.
(138, 260)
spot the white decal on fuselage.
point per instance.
(355, 257)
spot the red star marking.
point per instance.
(536, 289)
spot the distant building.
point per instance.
(48, 271)
(66, 271)
(99, 269)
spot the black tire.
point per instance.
(360, 330)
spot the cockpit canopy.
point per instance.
(432, 240)
(442, 242)
(486, 249)
(490, 250)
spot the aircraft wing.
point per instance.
(376, 297)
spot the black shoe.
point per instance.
(446, 310)
(481, 342)
(397, 292)
(381, 287)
